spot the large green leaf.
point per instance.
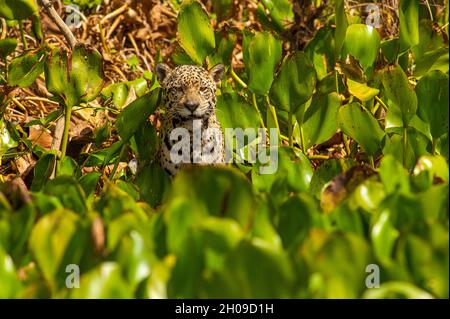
(195, 33)
(294, 84)
(154, 184)
(400, 92)
(135, 114)
(17, 9)
(337, 263)
(358, 123)
(25, 68)
(216, 190)
(320, 120)
(362, 42)
(295, 220)
(253, 270)
(409, 23)
(50, 239)
(264, 53)
(75, 78)
(432, 95)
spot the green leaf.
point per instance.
(320, 120)
(280, 12)
(103, 282)
(362, 42)
(202, 251)
(436, 60)
(195, 32)
(226, 41)
(50, 239)
(218, 190)
(295, 220)
(359, 124)
(17, 9)
(135, 114)
(264, 53)
(77, 78)
(432, 95)
(341, 27)
(68, 191)
(320, 51)
(361, 90)
(89, 182)
(11, 285)
(293, 172)
(25, 68)
(146, 139)
(393, 175)
(7, 142)
(337, 261)
(294, 84)
(42, 171)
(398, 90)
(253, 270)
(416, 146)
(118, 92)
(7, 46)
(233, 112)
(154, 184)
(409, 24)
(383, 236)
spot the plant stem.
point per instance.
(347, 146)
(381, 102)
(302, 139)
(433, 147)
(405, 144)
(22, 33)
(65, 138)
(116, 164)
(238, 79)
(372, 164)
(429, 10)
(318, 157)
(337, 81)
(255, 105)
(290, 130)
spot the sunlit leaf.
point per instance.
(195, 32)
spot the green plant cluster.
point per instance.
(230, 232)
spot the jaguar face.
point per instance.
(190, 91)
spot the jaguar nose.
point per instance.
(191, 105)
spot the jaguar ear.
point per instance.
(217, 72)
(162, 70)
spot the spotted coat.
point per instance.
(190, 95)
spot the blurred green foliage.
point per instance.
(308, 231)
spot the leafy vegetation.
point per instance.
(362, 177)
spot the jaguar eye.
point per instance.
(204, 89)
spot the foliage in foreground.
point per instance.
(304, 232)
